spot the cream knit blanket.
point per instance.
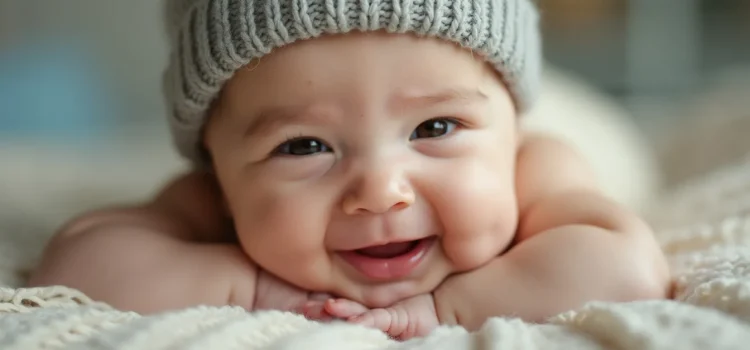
(703, 227)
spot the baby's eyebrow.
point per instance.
(416, 100)
(270, 119)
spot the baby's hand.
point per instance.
(413, 317)
(274, 294)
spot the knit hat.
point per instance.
(211, 39)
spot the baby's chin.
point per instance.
(388, 293)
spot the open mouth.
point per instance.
(389, 261)
(390, 250)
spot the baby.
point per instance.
(362, 161)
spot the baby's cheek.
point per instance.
(285, 239)
(480, 222)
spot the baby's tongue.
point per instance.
(386, 251)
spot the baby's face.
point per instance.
(368, 166)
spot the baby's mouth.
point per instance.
(389, 261)
(388, 251)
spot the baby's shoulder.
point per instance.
(539, 140)
(545, 148)
(547, 165)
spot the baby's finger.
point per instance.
(381, 319)
(344, 308)
(395, 322)
(315, 310)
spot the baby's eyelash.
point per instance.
(292, 137)
(453, 120)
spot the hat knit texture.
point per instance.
(211, 39)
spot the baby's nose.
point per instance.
(378, 193)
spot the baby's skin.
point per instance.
(380, 179)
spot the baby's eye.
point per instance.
(302, 147)
(433, 128)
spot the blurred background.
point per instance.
(649, 53)
(80, 82)
(109, 53)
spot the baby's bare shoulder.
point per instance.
(173, 243)
(188, 207)
(547, 166)
(557, 187)
(143, 271)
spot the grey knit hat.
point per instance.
(211, 39)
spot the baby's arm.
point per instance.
(173, 252)
(134, 268)
(573, 245)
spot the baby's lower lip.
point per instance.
(389, 268)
